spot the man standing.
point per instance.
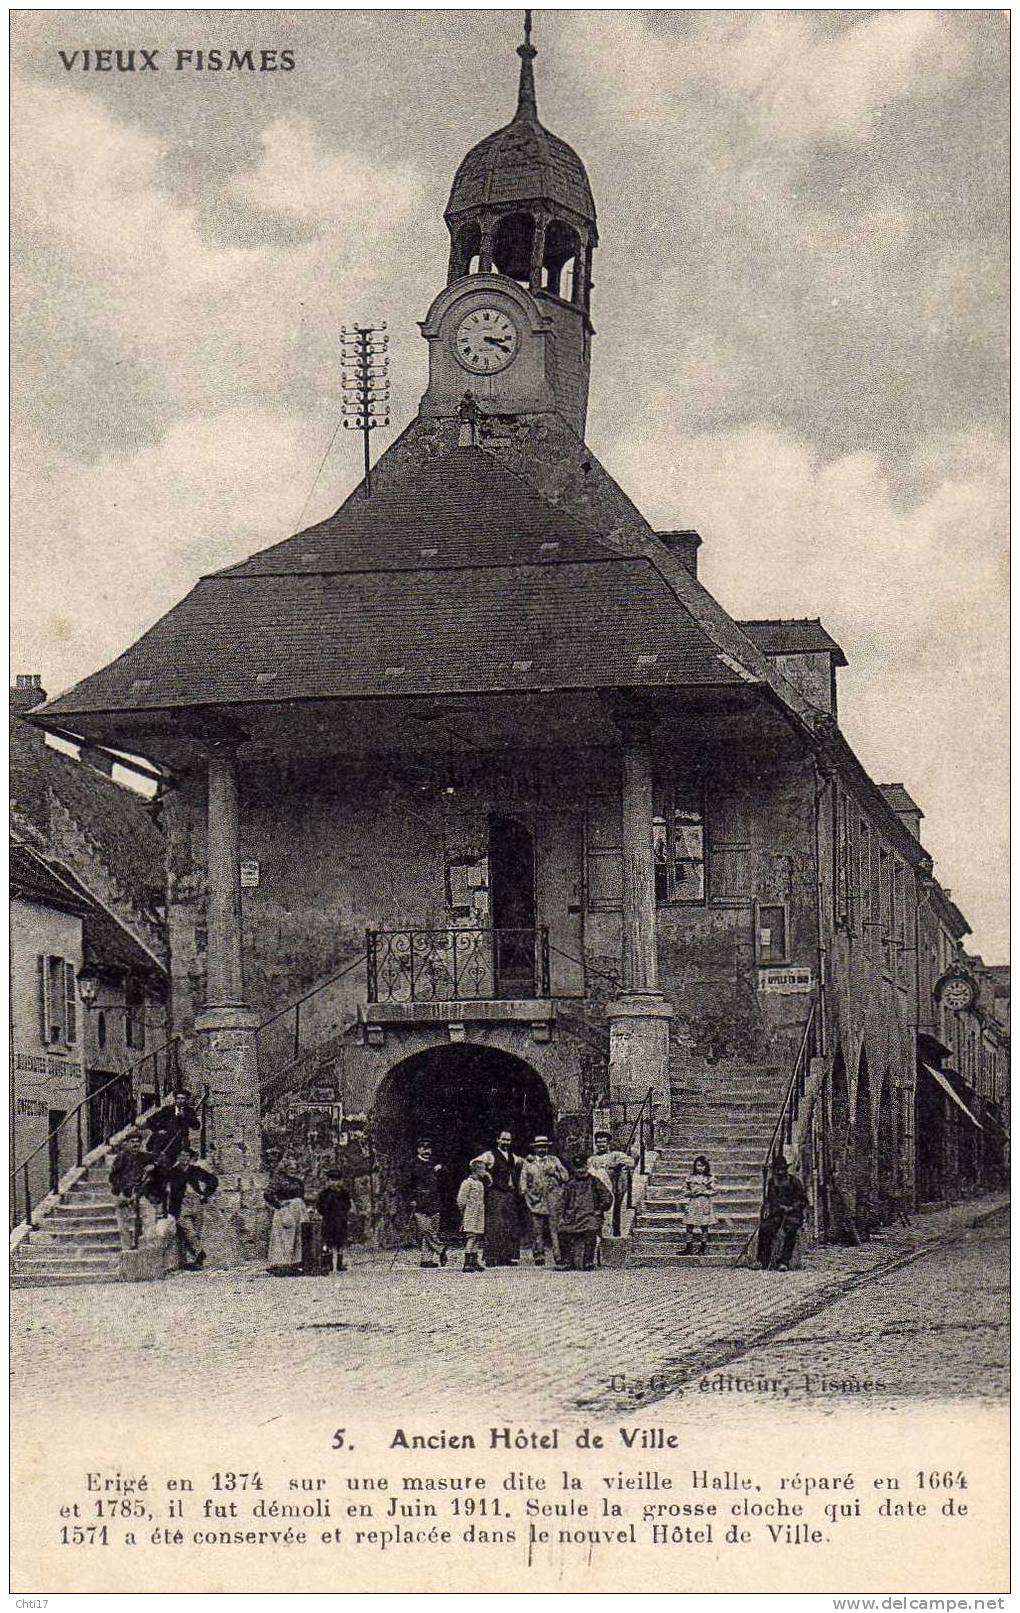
(502, 1226)
(782, 1217)
(170, 1125)
(189, 1185)
(612, 1166)
(542, 1180)
(423, 1192)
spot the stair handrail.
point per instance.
(298, 1003)
(75, 1115)
(644, 1130)
(787, 1116)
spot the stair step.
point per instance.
(48, 1237)
(33, 1279)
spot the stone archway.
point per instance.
(459, 1096)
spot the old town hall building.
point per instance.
(481, 811)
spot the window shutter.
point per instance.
(70, 1004)
(44, 992)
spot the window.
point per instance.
(603, 838)
(900, 921)
(730, 882)
(58, 1001)
(678, 844)
(101, 1030)
(864, 885)
(885, 912)
(134, 1019)
(852, 864)
(770, 933)
(841, 888)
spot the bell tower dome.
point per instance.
(521, 208)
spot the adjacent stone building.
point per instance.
(481, 811)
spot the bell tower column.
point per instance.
(639, 1018)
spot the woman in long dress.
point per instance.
(502, 1203)
(290, 1212)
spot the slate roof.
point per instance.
(797, 636)
(518, 163)
(113, 818)
(518, 595)
(33, 880)
(466, 510)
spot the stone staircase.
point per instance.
(75, 1240)
(731, 1122)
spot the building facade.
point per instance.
(482, 812)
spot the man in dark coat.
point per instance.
(334, 1205)
(586, 1198)
(170, 1127)
(423, 1192)
(782, 1217)
(188, 1187)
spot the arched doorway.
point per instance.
(863, 1153)
(888, 1186)
(459, 1097)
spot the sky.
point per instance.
(800, 305)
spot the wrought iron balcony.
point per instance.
(457, 965)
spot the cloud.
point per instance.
(299, 177)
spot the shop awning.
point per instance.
(950, 1092)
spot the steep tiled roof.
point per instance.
(797, 636)
(457, 576)
(466, 510)
(112, 818)
(33, 880)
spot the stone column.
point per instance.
(639, 1018)
(227, 1030)
(487, 232)
(539, 221)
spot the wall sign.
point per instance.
(785, 982)
(249, 874)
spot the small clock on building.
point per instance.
(485, 341)
(957, 993)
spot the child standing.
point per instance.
(334, 1205)
(471, 1204)
(700, 1187)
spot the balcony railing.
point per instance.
(458, 965)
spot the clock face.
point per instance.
(957, 994)
(485, 341)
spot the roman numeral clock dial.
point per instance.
(485, 341)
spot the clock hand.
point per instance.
(498, 341)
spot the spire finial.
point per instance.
(526, 104)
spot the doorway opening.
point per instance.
(54, 1120)
(460, 1098)
(512, 899)
(888, 1186)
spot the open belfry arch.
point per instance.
(478, 762)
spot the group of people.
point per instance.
(285, 1196)
(159, 1174)
(563, 1210)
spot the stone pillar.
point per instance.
(639, 1018)
(539, 221)
(227, 1033)
(487, 229)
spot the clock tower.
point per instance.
(513, 325)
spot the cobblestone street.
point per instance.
(532, 1342)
